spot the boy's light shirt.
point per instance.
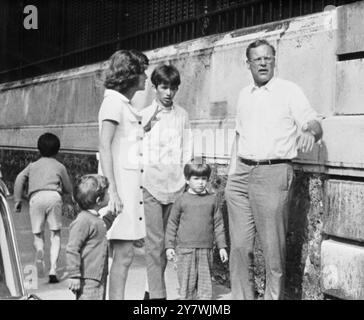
(166, 148)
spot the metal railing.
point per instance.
(72, 33)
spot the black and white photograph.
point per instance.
(193, 152)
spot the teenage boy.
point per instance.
(167, 147)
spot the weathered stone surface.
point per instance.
(350, 22)
(74, 137)
(342, 144)
(302, 53)
(350, 83)
(342, 270)
(344, 207)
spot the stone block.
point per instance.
(343, 141)
(350, 28)
(350, 84)
(344, 207)
(342, 268)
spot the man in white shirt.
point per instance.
(167, 147)
(274, 119)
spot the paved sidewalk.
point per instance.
(135, 286)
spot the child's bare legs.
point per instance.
(39, 256)
(123, 254)
(55, 249)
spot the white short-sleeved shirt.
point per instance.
(269, 119)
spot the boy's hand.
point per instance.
(171, 254)
(17, 206)
(223, 255)
(74, 284)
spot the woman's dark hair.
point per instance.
(197, 169)
(88, 188)
(166, 74)
(48, 144)
(124, 69)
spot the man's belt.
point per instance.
(264, 162)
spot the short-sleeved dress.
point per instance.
(126, 148)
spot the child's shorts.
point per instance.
(45, 205)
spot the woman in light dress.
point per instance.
(121, 138)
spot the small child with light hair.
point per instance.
(87, 248)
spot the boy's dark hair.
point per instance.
(88, 188)
(48, 144)
(197, 169)
(166, 74)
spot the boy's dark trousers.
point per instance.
(156, 218)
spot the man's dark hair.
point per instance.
(88, 188)
(258, 43)
(166, 74)
(197, 169)
(48, 144)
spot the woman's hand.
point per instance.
(115, 203)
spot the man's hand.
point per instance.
(74, 284)
(223, 255)
(171, 254)
(17, 206)
(306, 141)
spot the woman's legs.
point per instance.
(122, 257)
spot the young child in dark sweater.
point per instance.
(194, 222)
(87, 251)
